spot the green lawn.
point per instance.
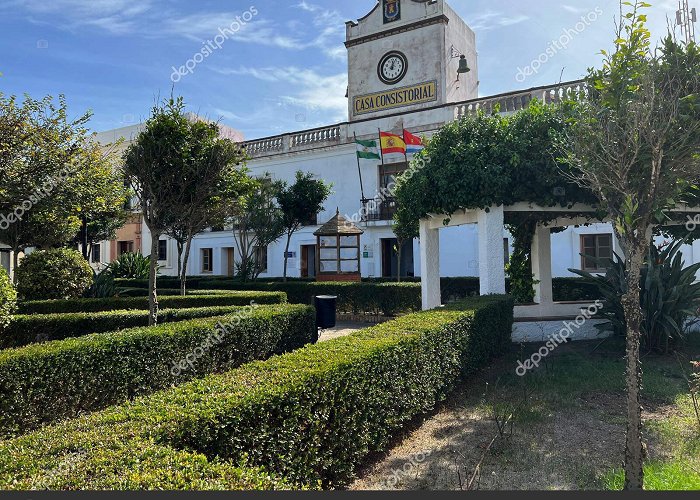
(671, 426)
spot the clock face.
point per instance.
(392, 68)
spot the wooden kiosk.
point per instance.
(338, 250)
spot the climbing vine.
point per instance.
(519, 269)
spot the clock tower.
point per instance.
(405, 55)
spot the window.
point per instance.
(389, 173)
(96, 253)
(128, 202)
(125, 247)
(163, 250)
(598, 246)
(207, 260)
(261, 259)
(339, 254)
(311, 220)
(506, 251)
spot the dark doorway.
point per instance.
(308, 261)
(390, 259)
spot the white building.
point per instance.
(403, 60)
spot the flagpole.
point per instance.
(405, 151)
(381, 148)
(359, 169)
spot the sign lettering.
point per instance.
(395, 98)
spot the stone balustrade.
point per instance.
(341, 134)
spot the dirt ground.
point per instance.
(552, 447)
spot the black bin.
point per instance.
(326, 311)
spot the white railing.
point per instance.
(338, 134)
(511, 103)
(314, 137)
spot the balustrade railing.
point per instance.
(338, 134)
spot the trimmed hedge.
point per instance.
(364, 298)
(8, 299)
(386, 298)
(310, 416)
(46, 382)
(30, 329)
(141, 303)
(169, 292)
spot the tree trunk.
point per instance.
(15, 263)
(631, 302)
(399, 250)
(179, 256)
(84, 238)
(183, 273)
(152, 282)
(286, 255)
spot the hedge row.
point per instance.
(303, 291)
(34, 328)
(46, 382)
(169, 292)
(385, 298)
(241, 298)
(310, 416)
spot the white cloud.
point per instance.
(314, 91)
(492, 20)
(114, 16)
(331, 26)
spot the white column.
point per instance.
(430, 266)
(696, 255)
(492, 272)
(542, 265)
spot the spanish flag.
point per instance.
(392, 143)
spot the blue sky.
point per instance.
(284, 70)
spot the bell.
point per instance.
(463, 66)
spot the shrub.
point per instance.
(46, 382)
(670, 296)
(102, 287)
(453, 289)
(130, 266)
(8, 299)
(141, 303)
(312, 415)
(53, 274)
(29, 329)
(385, 298)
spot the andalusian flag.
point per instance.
(392, 143)
(367, 150)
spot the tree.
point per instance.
(214, 181)
(157, 164)
(635, 141)
(40, 148)
(258, 222)
(300, 203)
(100, 195)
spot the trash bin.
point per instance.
(325, 311)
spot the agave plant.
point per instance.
(130, 266)
(103, 286)
(670, 295)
